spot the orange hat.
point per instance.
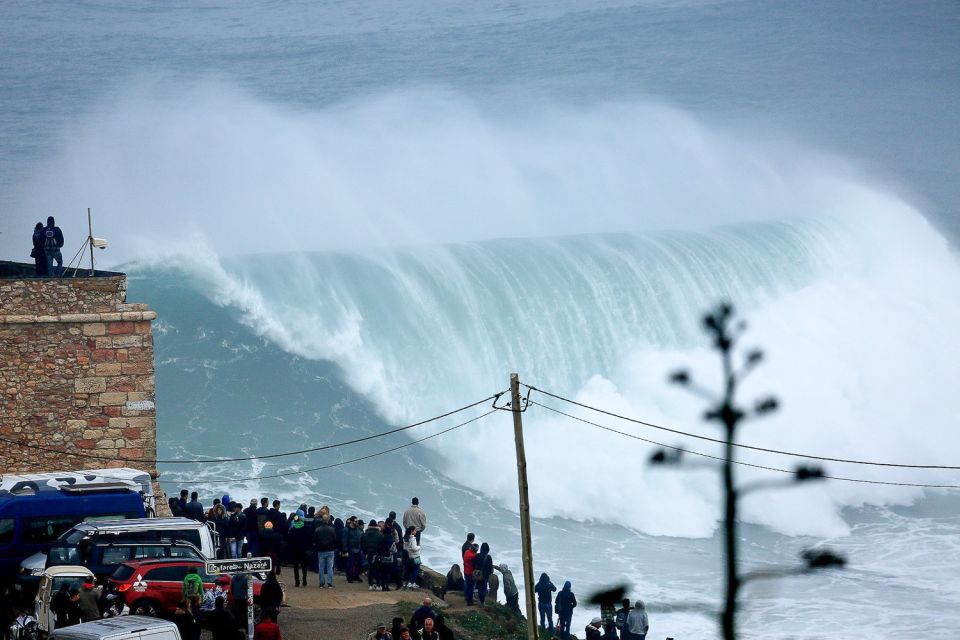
(268, 525)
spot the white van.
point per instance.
(199, 534)
(122, 628)
(50, 583)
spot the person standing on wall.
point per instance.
(415, 517)
(52, 243)
(37, 253)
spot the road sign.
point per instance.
(239, 565)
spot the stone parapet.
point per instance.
(54, 296)
(76, 376)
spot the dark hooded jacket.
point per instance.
(544, 590)
(371, 540)
(566, 601)
(483, 562)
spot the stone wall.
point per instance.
(76, 376)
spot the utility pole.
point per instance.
(527, 545)
(90, 238)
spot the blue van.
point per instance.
(34, 514)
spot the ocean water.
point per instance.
(355, 216)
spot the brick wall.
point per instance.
(76, 375)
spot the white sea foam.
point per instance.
(847, 287)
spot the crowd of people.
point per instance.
(312, 539)
(389, 552)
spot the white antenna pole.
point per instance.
(90, 238)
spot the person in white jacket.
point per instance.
(412, 547)
(637, 622)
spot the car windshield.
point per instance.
(73, 581)
(63, 555)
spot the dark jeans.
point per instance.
(482, 588)
(354, 563)
(300, 562)
(563, 624)
(373, 568)
(468, 589)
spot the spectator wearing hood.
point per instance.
(620, 619)
(482, 568)
(566, 602)
(37, 253)
(300, 543)
(544, 591)
(637, 622)
(510, 588)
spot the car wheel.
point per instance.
(147, 608)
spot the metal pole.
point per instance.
(249, 603)
(90, 238)
(524, 508)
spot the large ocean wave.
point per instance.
(380, 229)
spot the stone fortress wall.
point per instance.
(76, 374)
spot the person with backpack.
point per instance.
(52, 243)
(192, 586)
(301, 544)
(39, 257)
(620, 619)
(566, 602)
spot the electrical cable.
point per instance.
(346, 462)
(79, 454)
(740, 445)
(745, 464)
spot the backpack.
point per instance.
(621, 618)
(191, 589)
(50, 241)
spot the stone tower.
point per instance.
(76, 374)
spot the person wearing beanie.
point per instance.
(87, 602)
(592, 630)
(370, 541)
(299, 539)
(565, 602)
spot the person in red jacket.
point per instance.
(468, 583)
(268, 629)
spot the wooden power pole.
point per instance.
(527, 544)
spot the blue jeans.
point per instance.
(414, 571)
(325, 562)
(235, 548)
(468, 589)
(51, 255)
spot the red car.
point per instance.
(156, 585)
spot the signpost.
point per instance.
(242, 565)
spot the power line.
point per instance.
(346, 462)
(94, 456)
(742, 446)
(745, 464)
